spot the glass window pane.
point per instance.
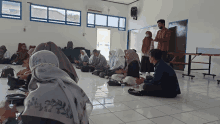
(12, 8)
(101, 20)
(73, 16)
(57, 14)
(112, 21)
(38, 11)
(91, 18)
(122, 23)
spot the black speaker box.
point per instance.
(134, 12)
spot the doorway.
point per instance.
(103, 41)
(180, 38)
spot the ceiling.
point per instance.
(125, 2)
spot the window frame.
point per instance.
(11, 14)
(94, 25)
(48, 19)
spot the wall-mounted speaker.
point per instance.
(134, 12)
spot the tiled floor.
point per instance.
(199, 102)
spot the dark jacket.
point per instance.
(133, 69)
(166, 77)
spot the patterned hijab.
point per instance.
(132, 56)
(53, 94)
(64, 62)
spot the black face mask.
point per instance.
(160, 27)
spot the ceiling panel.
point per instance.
(121, 1)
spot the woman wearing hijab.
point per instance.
(111, 58)
(82, 58)
(21, 54)
(131, 71)
(148, 45)
(4, 55)
(23, 75)
(63, 60)
(117, 64)
(54, 98)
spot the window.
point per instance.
(112, 21)
(122, 24)
(94, 19)
(73, 17)
(101, 20)
(39, 13)
(90, 20)
(10, 9)
(55, 15)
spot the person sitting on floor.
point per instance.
(131, 71)
(21, 54)
(54, 97)
(111, 57)
(64, 62)
(100, 61)
(118, 62)
(83, 57)
(164, 83)
(4, 55)
(22, 75)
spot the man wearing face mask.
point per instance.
(163, 38)
(147, 45)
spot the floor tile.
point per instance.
(99, 109)
(184, 107)
(189, 118)
(117, 107)
(169, 110)
(129, 116)
(166, 120)
(136, 104)
(205, 115)
(108, 118)
(150, 112)
(142, 122)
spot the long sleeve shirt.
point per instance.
(165, 76)
(133, 69)
(163, 38)
(101, 62)
(85, 59)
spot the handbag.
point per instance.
(17, 99)
(7, 70)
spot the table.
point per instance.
(190, 62)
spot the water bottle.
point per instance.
(122, 85)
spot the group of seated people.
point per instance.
(18, 57)
(124, 67)
(53, 96)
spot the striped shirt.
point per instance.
(163, 37)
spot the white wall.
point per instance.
(11, 31)
(203, 23)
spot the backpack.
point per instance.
(7, 70)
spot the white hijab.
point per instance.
(85, 54)
(91, 59)
(53, 94)
(119, 60)
(111, 58)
